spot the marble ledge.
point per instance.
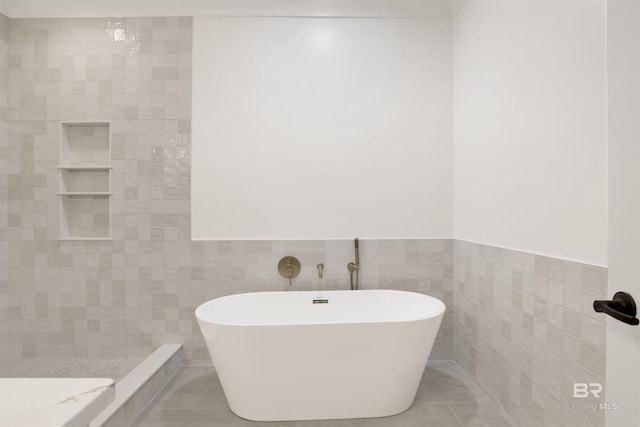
(64, 402)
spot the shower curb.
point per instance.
(136, 390)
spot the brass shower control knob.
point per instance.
(289, 267)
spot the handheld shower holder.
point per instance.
(354, 267)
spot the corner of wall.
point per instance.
(455, 6)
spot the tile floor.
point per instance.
(446, 398)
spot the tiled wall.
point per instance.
(525, 330)
(4, 286)
(122, 298)
(99, 299)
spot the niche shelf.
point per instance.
(85, 181)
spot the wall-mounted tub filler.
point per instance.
(354, 267)
(289, 267)
(250, 335)
(320, 299)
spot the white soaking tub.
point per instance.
(296, 356)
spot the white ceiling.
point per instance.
(442, 9)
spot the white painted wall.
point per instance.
(322, 128)
(530, 146)
(623, 341)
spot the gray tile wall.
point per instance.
(123, 298)
(93, 299)
(525, 331)
(4, 260)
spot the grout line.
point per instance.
(455, 414)
(152, 402)
(506, 416)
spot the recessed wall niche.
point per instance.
(85, 181)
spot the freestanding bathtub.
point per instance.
(284, 356)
